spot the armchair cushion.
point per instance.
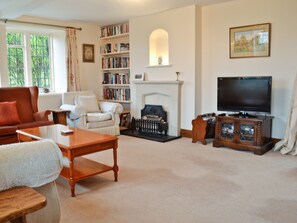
(8, 113)
(98, 117)
(90, 103)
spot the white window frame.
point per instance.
(27, 55)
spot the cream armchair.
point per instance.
(37, 165)
(87, 113)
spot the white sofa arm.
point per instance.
(76, 111)
(31, 164)
(111, 107)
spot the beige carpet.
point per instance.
(180, 182)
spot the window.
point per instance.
(29, 59)
(15, 54)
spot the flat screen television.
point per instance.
(244, 94)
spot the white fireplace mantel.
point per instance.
(158, 82)
(166, 93)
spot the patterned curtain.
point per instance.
(289, 144)
(73, 81)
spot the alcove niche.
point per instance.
(159, 48)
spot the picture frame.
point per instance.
(88, 53)
(139, 77)
(250, 41)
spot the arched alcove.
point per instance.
(159, 48)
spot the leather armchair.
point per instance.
(26, 112)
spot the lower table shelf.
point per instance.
(84, 168)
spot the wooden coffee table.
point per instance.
(73, 146)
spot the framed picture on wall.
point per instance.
(139, 77)
(88, 53)
(250, 41)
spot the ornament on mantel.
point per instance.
(177, 76)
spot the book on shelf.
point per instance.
(116, 78)
(115, 62)
(114, 30)
(106, 48)
(119, 94)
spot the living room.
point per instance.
(199, 50)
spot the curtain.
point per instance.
(73, 81)
(288, 145)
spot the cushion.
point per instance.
(90, 103)
(95, 125)
(8, 113)
(98, 117)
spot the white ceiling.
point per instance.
(101, 12)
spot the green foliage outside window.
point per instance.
(15, 56)
(40, 60)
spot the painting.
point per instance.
(250, 41)
(88, 53)
(139, 77)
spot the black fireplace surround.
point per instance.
(152, 125)
(153, 121)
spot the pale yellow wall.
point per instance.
(200, 68)
(281, 65)
(180, 25)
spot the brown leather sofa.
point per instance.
(19, 110)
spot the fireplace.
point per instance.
(164, 93)
(152, 125)
(153, 121)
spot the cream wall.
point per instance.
(199, 49)
(180, 25)
(281, 65)
(90, 35)
(89, 71)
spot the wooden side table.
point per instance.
(17, 202)
(59, 116)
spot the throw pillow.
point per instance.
(90, 103)
(9, 114)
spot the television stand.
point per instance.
(244, 115)
(244, 133)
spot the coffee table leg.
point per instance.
(115, 160)
(71, 178)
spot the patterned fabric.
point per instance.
(73, 80)
(288, 145)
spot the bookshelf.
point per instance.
(115, 64)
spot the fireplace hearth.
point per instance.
(152, 125)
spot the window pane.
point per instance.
(15, 57)
(41, 75)
(14, 39)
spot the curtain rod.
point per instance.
(36, 23)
